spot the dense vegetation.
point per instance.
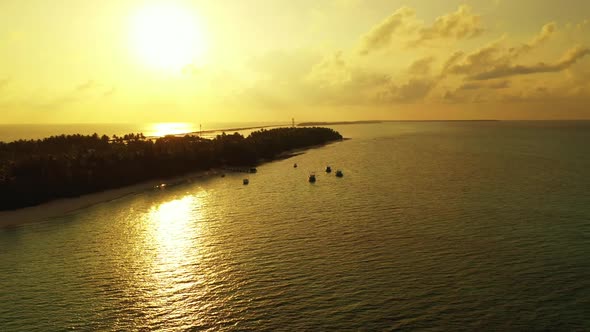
(36, 171)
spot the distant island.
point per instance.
(213, 131)
(37, 171)
(306, 124)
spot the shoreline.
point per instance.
(65, 206)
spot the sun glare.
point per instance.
(170, 128)
(167, 37)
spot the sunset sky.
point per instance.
(74, 61)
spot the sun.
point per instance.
(166, 36)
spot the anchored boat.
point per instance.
(312, 178)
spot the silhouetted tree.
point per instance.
(36, 171)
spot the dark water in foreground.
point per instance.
(445, 226)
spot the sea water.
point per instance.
(434, 225)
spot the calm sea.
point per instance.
(442, 226)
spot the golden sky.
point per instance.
(74, 61)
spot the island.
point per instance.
(324, 123)
(333, 123)
(37, 171)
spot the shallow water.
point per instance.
(446, 226)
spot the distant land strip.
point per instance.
(327, 123)
(304, 124)
(224, 130)
(33, 172)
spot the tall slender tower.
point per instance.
(293, 122)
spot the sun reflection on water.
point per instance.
(175, 231)
(170, 128)
(176, 228)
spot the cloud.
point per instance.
(504, 84)
(495, 60)
(338, 80)
(335, 70)
(282, 66)
(382, 34)
(546, 32)
(461, 24)
(88, 85)
(479, 60)
(332, 70)
(413, 90)
(59, 102)
(277, 80)
(80, 93)
(88, 89)
(450, 63)
(421, 66)
(295, 79)
(505, 70)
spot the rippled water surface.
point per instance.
(447, 226)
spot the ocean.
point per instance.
(434, 226)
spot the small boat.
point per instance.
(295, 165)
(253, 170)
(339, 173)
(328, 169)
(222, 175)
(312, 178)
(246, 181)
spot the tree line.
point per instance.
(37, 171)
